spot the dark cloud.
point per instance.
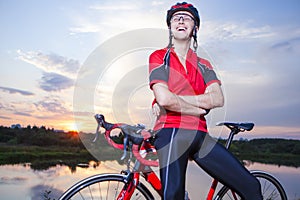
(13, 180)
(23, 114)
(280, 45)
(287, 45)
(16, 91)
(8, 107)
(51, 105)
(55, 82)
(3, 117)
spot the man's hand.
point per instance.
(156, 110)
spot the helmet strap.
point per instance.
(170, 45)
(195, 43)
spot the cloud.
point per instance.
(52, 104)
(51, 62)
(22, 114)
(234, 31)
(3, 117)
(118, 7)
(7, 106)
(157, 3)
(13, 180)
(55, 82)
(16, 108)
(107, 19)
(288, 45)
(83, 24)
(16, 91)
(259, 72)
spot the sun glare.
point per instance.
(72, 127)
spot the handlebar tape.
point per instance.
(135, 151)
(135, 134)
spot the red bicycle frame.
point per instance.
(129, 188)
(154, 181)
(142, 164)
(134, 178)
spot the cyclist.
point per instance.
(185, 88)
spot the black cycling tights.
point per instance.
(176, 146)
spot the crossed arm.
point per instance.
(189, 105)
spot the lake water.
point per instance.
(22, 182)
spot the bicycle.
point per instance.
(138, 142)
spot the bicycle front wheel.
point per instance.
(270, 187)
(104, 186)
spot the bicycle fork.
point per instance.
(131, 182)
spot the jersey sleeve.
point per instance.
(208, 73)
(158, 72)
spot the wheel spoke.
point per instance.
(99, 188)
(103, 187)
(270, 188)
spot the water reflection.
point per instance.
(289, 177)
(20, 181)
(23, 182)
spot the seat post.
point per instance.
(230, 138)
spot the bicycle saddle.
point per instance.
(245, 126)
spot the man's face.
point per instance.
(182, 24)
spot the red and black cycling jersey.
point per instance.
(165, 67)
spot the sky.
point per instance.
(63, 61)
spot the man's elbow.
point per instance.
(219, 102)
(214, 103)
(164, 102)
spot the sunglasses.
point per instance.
(184, 17)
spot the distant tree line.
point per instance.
(44, 147)
(268, 150)
(39, 136)
(265, 145)
(273, 151)
(42, 136)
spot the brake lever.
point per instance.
(125, 142)
(97, 133)
(99, 118)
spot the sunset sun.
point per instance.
(71, 127)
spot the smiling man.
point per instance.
(186, 87)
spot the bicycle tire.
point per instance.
(270, 187)
(104, 186)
